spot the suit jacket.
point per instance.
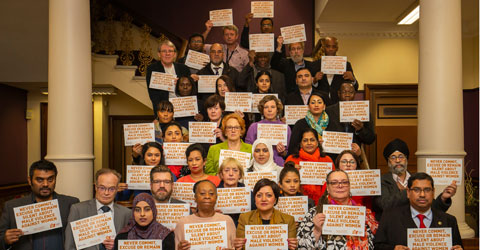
(7, 221)
(157, 95)
(365, 136)
(336, 83)
(287, 67)
(253, 218)
(393, 197)
(85, 209)
(394, 224)
(227, 70)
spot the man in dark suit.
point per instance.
(419, 213)
(216, 66)
(167, 52)
(363, 132)
(304, 89)
(289, 67)
(394, 183)
(106, 185)
(331, 83)
(161, 185)
(42, 180)
(195, 43)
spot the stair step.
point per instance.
(124, 67)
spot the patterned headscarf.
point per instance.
(154, 230)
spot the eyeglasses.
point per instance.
(336, 183)
(103, 189)
(167, 51)
(351, 162)
(233, 127)
(394, 158)
(165, 182)
(267, 25)
(418, 190)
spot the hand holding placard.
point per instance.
(221, 18)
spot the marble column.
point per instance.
(440, 93)
(70, 126)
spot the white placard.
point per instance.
(93, 230)
(429, 238)
(296, 206)
(445, 170)
(314, 173)
(140, 244)
(238, 101)
(196, 60)
(138, 177)
(351, 110)
(293, 34)
(293, 113)
(221, 18)
(266, 237)
(207, 83)
(256, 98)
(184, 106)
(168, 214)
(175, 153)
(233, 200)
(184, 191)
(38, 217)
(344, 220)
(336, 142)
(262, 42)
(273, 133)
(335, 65)
(365, 182)
(261, 9)
(251, 178)
(163, 81)
(216, 238)
(242, 157)
(202, 132)
(138, 133)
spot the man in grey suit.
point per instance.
(42, 180)
(161, 185)
(106, 185)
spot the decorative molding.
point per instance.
(368, 30)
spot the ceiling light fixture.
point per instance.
(411, 17)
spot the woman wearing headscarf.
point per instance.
(262, 157)
(143, 224)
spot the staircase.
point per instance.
(105, 72)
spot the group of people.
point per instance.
(407, 201)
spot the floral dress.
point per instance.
(306, 238)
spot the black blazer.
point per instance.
(336, 83)
(227, 70)
(394, 224)
(157, 95)
(287, 67)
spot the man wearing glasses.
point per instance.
(106, 185)
(419, 212)
(161, 185)
(394, 183)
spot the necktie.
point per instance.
(104, 209)
(421, 217)
(216, 70)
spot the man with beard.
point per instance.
(394, 184)
(161, 185)
(261, 62)
(289, 67)
(331, 83)
(42, 180)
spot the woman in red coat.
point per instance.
(310, 150)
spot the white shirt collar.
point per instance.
(100, 205)
(404, 183)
